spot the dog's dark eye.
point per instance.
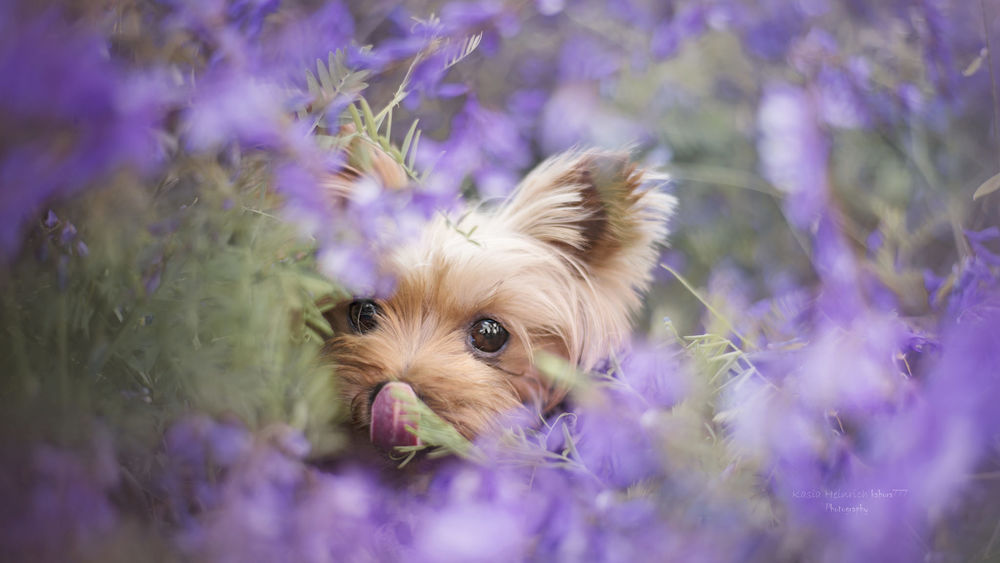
(363, 315)
(488, 336)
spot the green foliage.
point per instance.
(195, 296)
(334, 82)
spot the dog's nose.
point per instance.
(374, 393)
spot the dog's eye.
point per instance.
(488, 336)
(363, 315)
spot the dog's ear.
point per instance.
(365, 161)
(591, 206)
(592, 210)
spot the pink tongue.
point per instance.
(393, 410)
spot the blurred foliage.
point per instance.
(189, 297)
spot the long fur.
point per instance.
(562, 265)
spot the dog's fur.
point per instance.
(562, 265)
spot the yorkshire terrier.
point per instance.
(560, 267)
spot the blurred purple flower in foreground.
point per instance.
(794, 151)
(61, 505)
(70, 115)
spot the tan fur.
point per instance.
(562, 265)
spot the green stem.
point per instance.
(62, 345)
(19, 343)
(705, 302)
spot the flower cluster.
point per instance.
(818, 373)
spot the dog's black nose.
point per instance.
(374, 393)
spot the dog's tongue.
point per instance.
(393, 410)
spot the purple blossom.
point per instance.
(575, 115)
(794, 151)
(355, 267)
(979, 240)
(769, 30)
(616, 440)
(550, 7)
(853, 369)
(668, 36)
(841, 104)
(912, 464)
(235, 108)
(71, 118)
(971, 290)
(251, 13)
(57, 502)
(495, 20)
(473, 531)
(585, 58)
(484, 144)
(651, 377)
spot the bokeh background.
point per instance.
(814, 375)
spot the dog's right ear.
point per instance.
(365, 161)
(591, 209)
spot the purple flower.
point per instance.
(575, 115)
(56, 499)
(913, 464)
(979, 240)
(841, 103)
(794, 151)
(853, 369)
(235, 109)
(616, 442)
(550, 7)
(972, 290)
(768, 32)
(651, 377)
(484, 144)
(474, 531)
(355, 267)
(71, 118)
(584, 58)
(668, 36)
(250, 14)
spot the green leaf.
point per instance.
(704, 301)
(358, 126)
(324, 77)
(328, 142)
(987, 187)
(468, 46)
(409, 137)
(370, 126)
(312, 85)
(335, 63)
(412, 159)
(384, 143)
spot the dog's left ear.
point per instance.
(592, 207)
(365, 161)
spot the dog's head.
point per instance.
(559, 267)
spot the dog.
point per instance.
(559, 267)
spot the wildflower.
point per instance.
(794, 151)
(71, 117)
